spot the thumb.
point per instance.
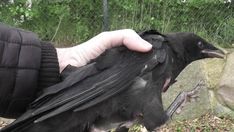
(137, 44)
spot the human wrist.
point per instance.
(70, 56)
(62, 58)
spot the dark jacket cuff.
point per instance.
(49, 69)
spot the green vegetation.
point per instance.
(74, 21)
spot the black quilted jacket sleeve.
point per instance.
(27, 65)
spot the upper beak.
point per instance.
(214, 53)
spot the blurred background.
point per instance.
(68, 22)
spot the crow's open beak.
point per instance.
(214, 53)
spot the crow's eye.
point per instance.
(200, 45)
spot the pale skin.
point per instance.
(81, 54)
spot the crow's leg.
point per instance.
(182, 99)
(124, 127)
(95, 129)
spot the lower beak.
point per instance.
(214, 53)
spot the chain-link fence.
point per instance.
(74, 21)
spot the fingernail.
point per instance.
(147, 46)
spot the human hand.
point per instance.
(81, 54)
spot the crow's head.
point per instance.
(193, 47)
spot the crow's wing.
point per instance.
(69, 69)
(101, 86)
(76, 76)
(112, 73)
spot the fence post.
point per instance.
(105, 26)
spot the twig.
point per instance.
(56, 31)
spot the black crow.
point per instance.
(119, 86)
